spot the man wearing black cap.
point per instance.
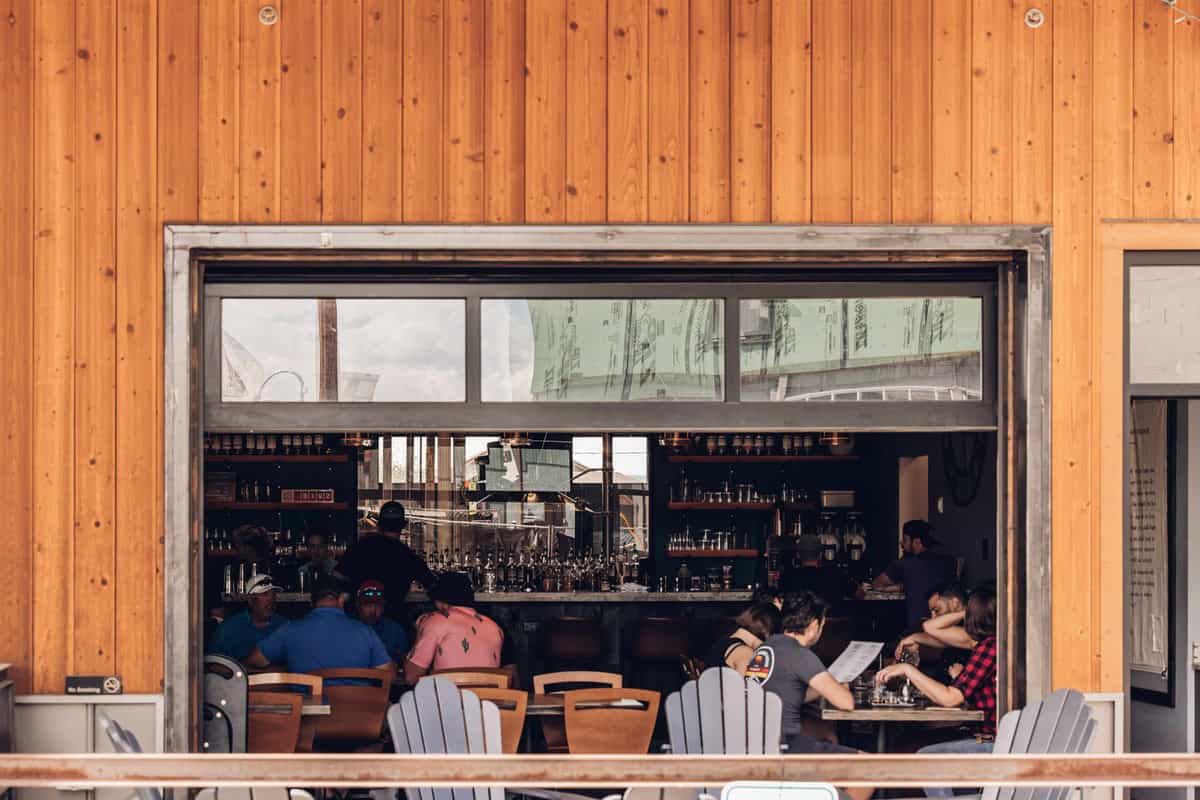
(383, 557)
(455, 635)
(919, 572)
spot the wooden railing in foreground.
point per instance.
(540, 771)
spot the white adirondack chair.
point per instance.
(1062, 723)
(436, 717)
(720, 713)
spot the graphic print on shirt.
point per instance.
(761, 665)
(466, 645)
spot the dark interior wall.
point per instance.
(965, 530)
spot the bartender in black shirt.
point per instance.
(383, 557)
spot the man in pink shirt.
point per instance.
(455, 635)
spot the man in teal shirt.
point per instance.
(241, 633)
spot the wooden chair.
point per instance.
(553, 728)
(273, 722)
(511, 670)
(296, 682)
(512, 704)
(548, 682)
(470, 679)
(610, 720)
(358, 710)
(438, 717)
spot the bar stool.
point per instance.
(572, 642)
(659, 646)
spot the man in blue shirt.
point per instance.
(369, 604)
(920, 571)
(327, 638)
(237, 636)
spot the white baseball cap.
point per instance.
(261, 584)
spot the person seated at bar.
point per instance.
(809, 575)
(786, 665)
(975, 686)
(943, 632)
(237, 636)
(326, 638)
(369, 602)
(754, 626)
(919, 572)
(454, 635)
(383, 557)
(319, 563)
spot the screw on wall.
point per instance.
(1034, 18)
(268, 15)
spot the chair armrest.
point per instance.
(666, 748)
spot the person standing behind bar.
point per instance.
(320, 563)
(383, 557)
(919, 572)
(825, 582)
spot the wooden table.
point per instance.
(885, 716)
(551, 705)
(310, 706)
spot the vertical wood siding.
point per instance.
(119, 115)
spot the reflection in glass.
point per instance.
(1163, 324)
(344, 350)
(602, 350)
(862, 349)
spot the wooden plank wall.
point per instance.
(119, 115)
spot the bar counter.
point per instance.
(484, 598)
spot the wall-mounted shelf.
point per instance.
(713, 554)
(330, 458)
(679, 458)
(675, 506)
(803, 507)
(276, 506)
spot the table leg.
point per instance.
(881, 738)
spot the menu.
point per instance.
(1147, 532)
(854, 659)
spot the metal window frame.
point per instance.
(473, 414)
(1023, 430)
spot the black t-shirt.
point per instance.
(827, 583)
(389, 560)
(920, 576)
(784, 666)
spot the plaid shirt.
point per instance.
(977, 682)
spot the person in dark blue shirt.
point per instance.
(920, 571)
(369, 604)
(327, 638)
(237, 636)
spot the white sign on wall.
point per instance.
(1147, 531)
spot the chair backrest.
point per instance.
(438, 717)
(470, 679)
(224, 711)
(550, 682)
(610, 720)
(358, 710)
(124, 741)
(298, 682)
(723, 713)
(511, 670)
(1061, 723)
(512, 704)
(273, 722)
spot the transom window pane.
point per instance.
(343, 350)
(602, 350)
(862, 349)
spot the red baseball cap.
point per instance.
(371, 592)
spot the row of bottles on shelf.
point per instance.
(285, 544)
(525, 570)
(268, 444)
(743, 444)
(842, 540)
(686, 490)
